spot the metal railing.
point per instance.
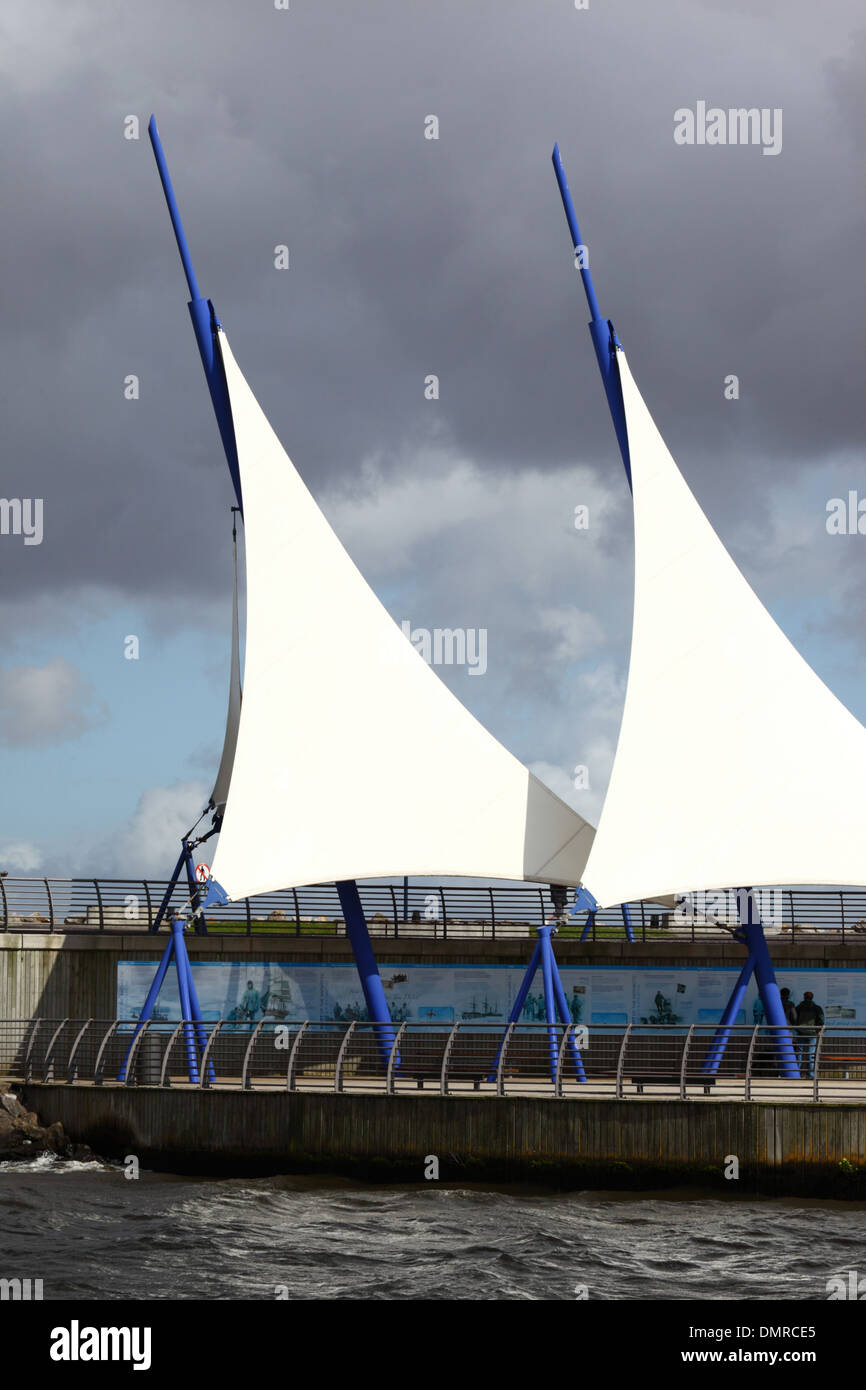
(435, 912)
(700, 1062)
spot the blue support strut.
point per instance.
(204, 321)
(368, 970)
(543, 955)
(602, 332)
(194, 1030)
(751, 934)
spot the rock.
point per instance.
(23, 1136)
(278, 915)
(36, 917)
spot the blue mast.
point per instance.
(601, 330)
(204, 321)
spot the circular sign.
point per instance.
(202, 872)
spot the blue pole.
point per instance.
(149, 1002)
(517, 1007)
(173, 209)
(544, 933)
(177, 929)
(716, 1050)
(204, 321)
(183, 962)
(192, 882)
(169, 890)
(626, 921)
(576, 239)
(565, 1015)
(588, 925)
(365, 960)
(772, 1000)
(602, 332)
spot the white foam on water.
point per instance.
(50, 1163)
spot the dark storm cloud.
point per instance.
(411, 256)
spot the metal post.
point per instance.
(204, 321)
(565, 1015)
(152, 995)
(686, 1045)
(626, 921)
(390, 1085)
(549, 1000)
(293, 1054)
(166, 897)
(177, 928)
(194, 894)
(620, 1063)
(182, 961)
(717, 1048)
(365, 960)
(604, 339)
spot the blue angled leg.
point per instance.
(368, 970)
(549, 1002)
(772, 1000)
(177, 927)
(195, 1009)
(717, 1048)
(626, 921)
(163, 907)
(152, 995)
(517, 1008)
(566, 1018)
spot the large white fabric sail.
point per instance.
(353, 759)
(735, 765)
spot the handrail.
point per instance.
(455, 1053)
(468, 911)
(390, 1086)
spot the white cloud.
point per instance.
(574, 631)
(19, 856)
(46, 704)
(149, 845)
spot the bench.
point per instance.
(641, 1081)
(831, 1058)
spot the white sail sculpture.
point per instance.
(353, 759)
(735, 764)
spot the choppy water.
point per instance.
(89, 1232)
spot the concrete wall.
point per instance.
(74, 975)
(790, 1147)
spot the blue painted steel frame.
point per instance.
(751, 934)
(195, 1034)
(554, 998)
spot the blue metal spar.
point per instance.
(601, 330)
(204, 321)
